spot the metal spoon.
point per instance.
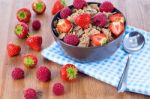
(132, 42)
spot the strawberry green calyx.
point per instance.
(18, 29)
(22, 15)
(104, 41)
(122, 20)
(63, 2)
(39, 6)
(29, 61)
(71, 72)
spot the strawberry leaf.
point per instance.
(71, 73)
(63, 2)
(19, 29)
(28, 61)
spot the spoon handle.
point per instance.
(123, 80)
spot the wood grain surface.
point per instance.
(137, 13)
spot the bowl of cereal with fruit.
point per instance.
(89, 30)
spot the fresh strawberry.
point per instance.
(23, 15)
(116, 28)
(34, 42)
(13, 49)
(68, 72)
(39, 6)
(58, 5)
(117, 17)
(83, 20)
(99, 39)
(63, 26)
(21, 30)
(29, 60)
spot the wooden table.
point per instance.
(137, 13)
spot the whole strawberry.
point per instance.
(43, 74)
(13, 49)
(34, 42)
(23, 15)
(17, 73)
(58, 89)
(21, 30)
(30, 93)
(83, 20)
(30, 61)
(68, 72)
(39, 6)
(58, 5)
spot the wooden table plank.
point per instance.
(137, 13)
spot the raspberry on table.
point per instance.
(58, 89)
(30, 93)
(17, 73)
(43, 74)
(36, 24)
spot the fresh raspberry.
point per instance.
(43, 74)
(106, 7)
(36, 25)
(30, 94)
(71, 39)
(100, 19)
(65, 12)
(79, 4)
(17, 73)
(58, 89)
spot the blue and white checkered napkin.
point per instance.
(111, 69)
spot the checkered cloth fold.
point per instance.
(110, 70)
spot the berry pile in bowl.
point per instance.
(89, 30)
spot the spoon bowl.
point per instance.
(133, 42)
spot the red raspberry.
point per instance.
(106, 7)
(65, 12)
(79, 4)
(71, 39)
(100, 19)
(43, 74)
(36, 25)
(58, 89)
(30, 94)
(17, 73)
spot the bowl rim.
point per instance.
(93, 47)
